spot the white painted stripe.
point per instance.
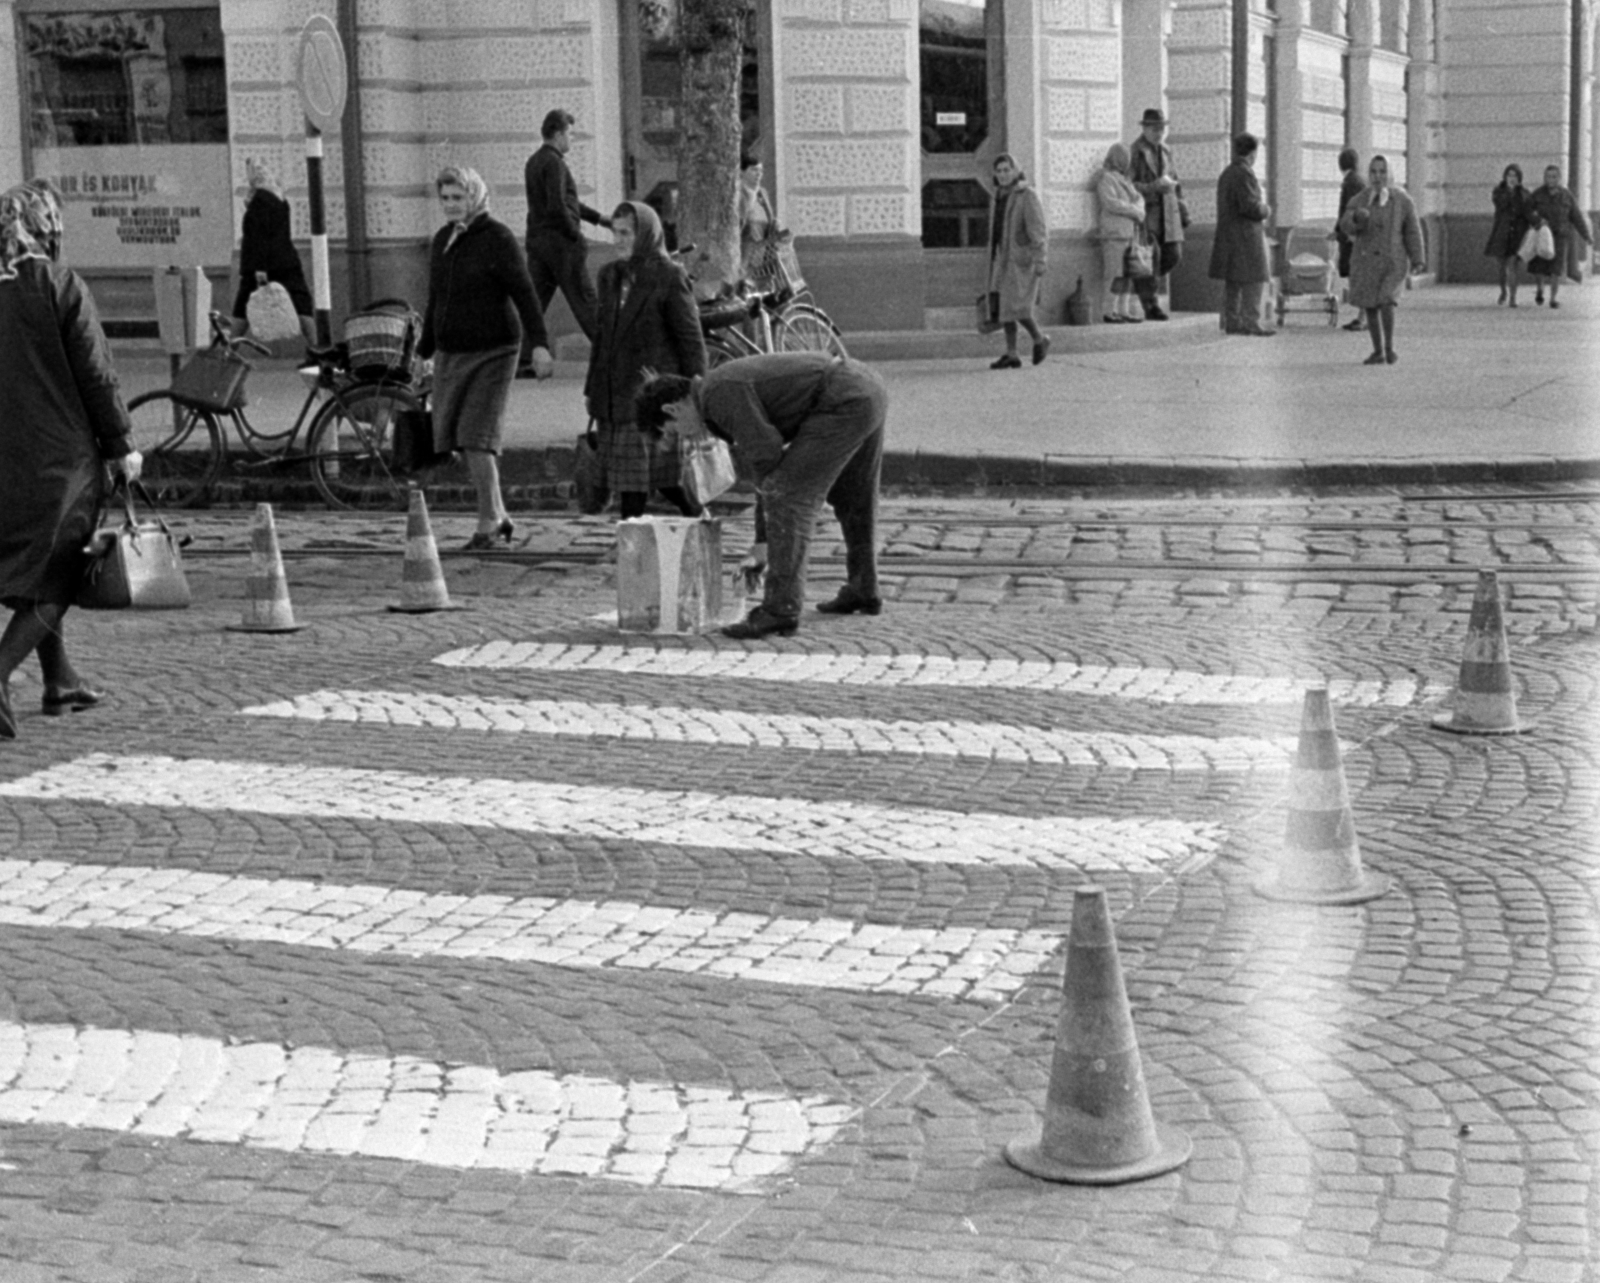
(830, 953)
(1154, 685)
(311, 1099)
(779, 825)
(999, 741)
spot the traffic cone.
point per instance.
(1098, 1128)
(1485, 701)
(422, 586)
(1321, 862)
(266, 607)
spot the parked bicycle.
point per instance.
(779, 315)
(347, 417)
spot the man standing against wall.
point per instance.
(557, 250)
(1165, 214)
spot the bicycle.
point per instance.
(787, 318)
(348, 420)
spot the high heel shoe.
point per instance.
(506, 529)
(484, 540)
(58, 701)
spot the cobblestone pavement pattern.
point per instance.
(497, 945)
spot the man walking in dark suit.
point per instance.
(557, 250)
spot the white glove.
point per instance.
(543, 365)
(129, 466)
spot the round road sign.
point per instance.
(320, 72)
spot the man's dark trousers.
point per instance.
(557, 263)
(837, 456)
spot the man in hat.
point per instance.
(1165, 214)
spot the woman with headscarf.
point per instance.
(1552, 205)
(1387, 246)
(478, 289)
(1017, 246)
(1121, 226)
(267, 253)
(647, 321)
(62, 422)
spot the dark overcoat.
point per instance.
(61, 419)
(1239, 252)
(1510, 221)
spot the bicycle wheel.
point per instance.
(351, 445)
(801, 327)
(182, 449)
(719, 351)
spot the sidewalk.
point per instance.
(1480, 394)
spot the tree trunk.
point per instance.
(708, 158)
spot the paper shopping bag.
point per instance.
(669, 574)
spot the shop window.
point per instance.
(954, 47)
(955, 214)
(129, 77)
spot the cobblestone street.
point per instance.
(500, 945)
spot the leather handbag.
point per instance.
(414, 449)
(134, 564)
(213, 379)
(708, 470)
(1138, 260)
(589, 474)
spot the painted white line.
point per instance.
(776, 825)
(829, 953)
(1152, 685)
(315, 1100)
(990, 741)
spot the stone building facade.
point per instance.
(877, 120)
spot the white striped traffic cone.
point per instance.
(422, 586)
(1485, 701)
(266, 606)
(1098, 1128)
(1321, 861)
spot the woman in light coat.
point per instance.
(1387, 246)
(1121, 225)
(1016, 260)
(1551, 203)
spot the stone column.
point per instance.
(1146, 24)
(12, 120)
(1285, 142)
(1424, 115)
(846, 138)
(1363, 20)
(1199, 103)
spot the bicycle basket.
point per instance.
(212, 379)
(381, 339)
(779, 268)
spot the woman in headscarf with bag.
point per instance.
(267, 255)
(647, 321)
(1121, 228)
(478, 289)
(1554, 206)
(1387, 247)
(62, 422)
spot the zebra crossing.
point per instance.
(681, 1135)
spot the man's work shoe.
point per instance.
(850, 602)
(1154, 314)
(760, 623)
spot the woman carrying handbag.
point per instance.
(1125, 253)
(62, 422)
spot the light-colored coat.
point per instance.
(1121, 206)
(1017, 264)
(1382, 253)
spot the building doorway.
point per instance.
(962, 96)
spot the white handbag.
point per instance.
(271, 313)
(708, 469)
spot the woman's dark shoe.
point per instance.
(506, 529)
(1154, 313)
(1375, 359)
(1538, 298)
(760, 623)
(1041, 349)
(1010, 361)
(8, 720)
(1356, 326)
(1502, 294)
(1391, 356)
(850, 602)
(75, 699)
(1111, 318)
(1554, 305)
(479, 542)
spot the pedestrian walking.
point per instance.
(805, 427)
(62, 422)
(267, 253)
(1017, 260)
(1382, 221)
(1557, 208)
(558, 253)
(648, 321)
(1510, 200)
(478, 291)
(1350, 185)
(1239, 252)
(1166, 216)
(1121, 229)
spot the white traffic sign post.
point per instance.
(323, 83)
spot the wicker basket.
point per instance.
(778, 269)
(381, 339)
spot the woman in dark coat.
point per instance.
(267, 253)
(1510, 226)
(648, 320)
(1239, 252)
(61, 422)
(478, 288)
(1018, 245)
(1557, 206)
(1382, 222)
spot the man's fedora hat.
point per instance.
(1152, 116)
